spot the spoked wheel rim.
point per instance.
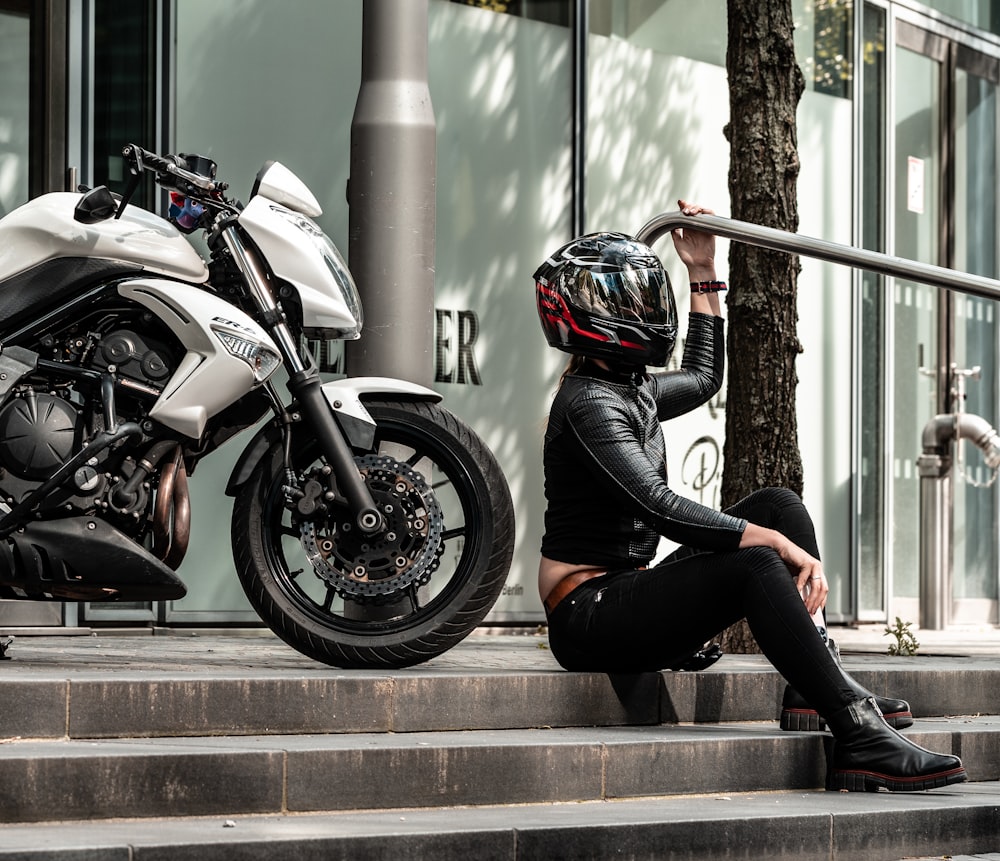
(456, 540)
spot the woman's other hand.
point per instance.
(695, 248)
(804, 567)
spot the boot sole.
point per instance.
(871, 781)
(808, 720)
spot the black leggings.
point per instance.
(640, 621)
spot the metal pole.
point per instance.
(935, 541)
(392, 195)
(794, 243)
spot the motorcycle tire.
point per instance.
(473, 541)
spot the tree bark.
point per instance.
(765, 84)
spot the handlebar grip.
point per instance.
(172, 171)
(143, 158)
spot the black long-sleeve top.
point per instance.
(605, 460)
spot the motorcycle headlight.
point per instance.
(262, 360)
(334, 262)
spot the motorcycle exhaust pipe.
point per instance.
(172, 513)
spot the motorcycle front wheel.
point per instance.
(317, 585)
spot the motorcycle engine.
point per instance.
(42, 427)
(38, 432)
(132, 356)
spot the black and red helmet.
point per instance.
(607, 296)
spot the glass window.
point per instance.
(674, 27)
(549, 11)
(823, 34)
(15, 74)
(124, 90)
(826, 61)
(984, 14)
(975, 250)
(871, 468)
(501, 89)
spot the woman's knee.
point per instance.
(774, 507)
(778, 497)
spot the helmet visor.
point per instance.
(630, 295)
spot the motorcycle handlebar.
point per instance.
(140, 159)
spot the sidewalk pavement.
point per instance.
(39, 653)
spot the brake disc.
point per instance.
(373, 568)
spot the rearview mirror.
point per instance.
(98, 204)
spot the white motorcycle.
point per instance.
(370, 528)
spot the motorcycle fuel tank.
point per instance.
(44, 229)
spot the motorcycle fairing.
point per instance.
(319, 280)
(44, 229)
(82, 559)
(209, 378)
(35, 292)
(276, 182)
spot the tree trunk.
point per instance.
(765, 84)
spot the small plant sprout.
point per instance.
(906, 641)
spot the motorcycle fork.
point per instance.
(305, 386)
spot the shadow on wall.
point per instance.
(501, 88)
(258, 80)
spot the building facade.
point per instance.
(558, 117)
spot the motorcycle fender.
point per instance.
(346, 399)
(253, 454)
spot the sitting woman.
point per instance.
(606, 300)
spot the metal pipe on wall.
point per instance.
(392, 195)
(934, 466)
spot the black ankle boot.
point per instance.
(868, 754)
(797, 714)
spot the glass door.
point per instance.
(15, 103)
(973, 242)
(943, 164)
(24, 172)
(915, 308)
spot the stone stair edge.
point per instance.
(780, 825)
(113, 705)
(51, 780)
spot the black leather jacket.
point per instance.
(605, 460)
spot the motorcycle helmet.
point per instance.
(607, 296)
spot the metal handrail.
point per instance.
(821, 249)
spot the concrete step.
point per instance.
(797, 826)
(78, 780)
(134, 701)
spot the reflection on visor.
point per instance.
(635, 295)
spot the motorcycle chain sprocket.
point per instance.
(374, 568)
